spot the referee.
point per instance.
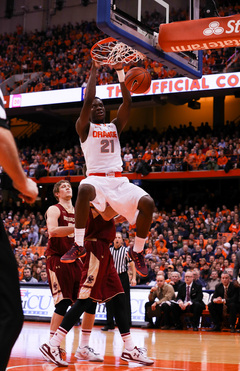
(121, 259)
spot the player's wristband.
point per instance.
(121, 75)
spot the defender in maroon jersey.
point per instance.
(100, 282)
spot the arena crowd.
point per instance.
(175, 149)
(61, 55)
(185, 238)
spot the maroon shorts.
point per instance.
(64, 279)
(100, 280)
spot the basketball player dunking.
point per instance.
(104, 183)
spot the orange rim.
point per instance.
(100, 52)
(101, 42)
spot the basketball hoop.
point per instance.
(110, 51)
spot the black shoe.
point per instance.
(149, 325)
(214, 329)
(195, 328)
(107, 328)
(232, 329)
(177, 327)
(165, 328)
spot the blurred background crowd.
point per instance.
(60, 56)
(186, 238)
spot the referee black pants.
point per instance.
(109, 306)
(11, 314)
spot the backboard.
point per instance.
(126, 21)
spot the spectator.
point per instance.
(27, 276)
(32, 168)
(43, 277)
(53, 167)
(43, 238)
(175, 280)
(189, 298)
(197, 279)
(32, 237)
(69, 167)
(222, 160)
(213, 281)
(159, 308)
(224, 301)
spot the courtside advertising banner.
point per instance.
(164, 86)
(37, 303)
(200, 34)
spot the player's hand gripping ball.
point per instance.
(137, 80)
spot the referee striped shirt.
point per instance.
(120, 258)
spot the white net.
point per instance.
(114, 52)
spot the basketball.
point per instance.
(137, 80)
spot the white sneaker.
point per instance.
(62, 352)
(52, 354)
(136, 355)
(86, 353)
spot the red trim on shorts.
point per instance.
(111, 174)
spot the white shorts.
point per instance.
(121, 195)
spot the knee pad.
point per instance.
(62, 306)
(92, 308)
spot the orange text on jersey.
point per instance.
(104, 134)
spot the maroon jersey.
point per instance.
(60, 245)
(100, 229)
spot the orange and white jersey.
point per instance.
(102, 149)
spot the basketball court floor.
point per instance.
(171, 350)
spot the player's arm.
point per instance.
(133, 269)
(82, 124)
(125, 108)
(9, 160)
(52, 215)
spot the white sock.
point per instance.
(139, 244)
(79, 235)
(58, 337)
(51, 334)
(128, 342)
(85, 335)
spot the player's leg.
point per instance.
(56, 320)
(59, 313)
(67, 278)
(84, 352)
(136, 206)
(126, 287)
(144, 219)
(143, 223)
(62, 281)
(11, 314)
(51, 350)
(86, 193)
(110, 317)
(131, 353)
